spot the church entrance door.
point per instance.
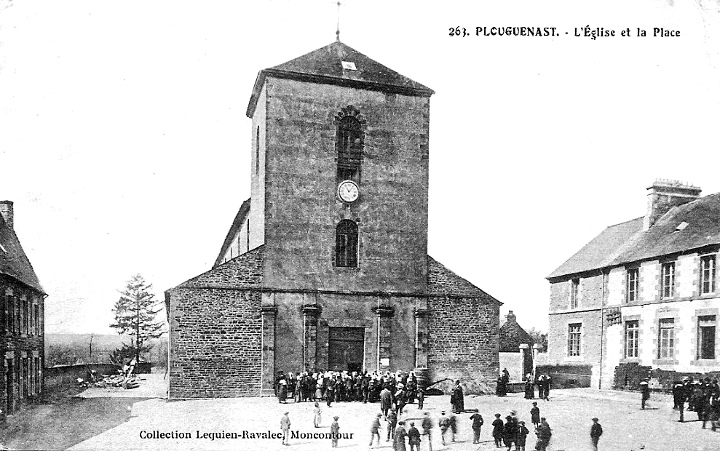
(346, 350)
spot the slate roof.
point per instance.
(512, 335)
(239, 220)
(442, 281)
(626, 242)
(13, 261)
(324, 65)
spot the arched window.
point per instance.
(349, 146)
(346, 244)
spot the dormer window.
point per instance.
(348, 65)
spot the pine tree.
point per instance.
(135, 315)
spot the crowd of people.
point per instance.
(541, 381)
(399, 388)
(702, 397)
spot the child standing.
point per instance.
(285, 427)
(535, 415)
(335, 432)
(498, 431)
(375, 430)
(522, 434)
(318, 415)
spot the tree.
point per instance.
(135, 313)
(539, 338)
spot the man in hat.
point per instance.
(400, 434)
(497, 430)
(595, 433)
(457, 398)
(521, 436)
(444, 423)
(400, 398)
(477, 422)
(413, 437)
(385, 401)
(392, 422)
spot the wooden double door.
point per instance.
(346, 349)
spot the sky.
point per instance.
(125, 147)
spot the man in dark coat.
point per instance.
(529, 388)
(521, 436)
(413, 437)
(497, 430)
(546, 385)
(385, 401)
(427, 426)
(645, 393)
(544, 433)
(595, 433)
(509, 432)
(477, 422)
(457, 398)
(400, 434)
(540, 382)
(330, 390)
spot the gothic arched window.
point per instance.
(349, 146)
(346, 244)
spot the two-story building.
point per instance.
(21, 320)
(643, 291)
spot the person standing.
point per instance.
(521, 436)
(317, 418)
(509, 432)
(546, 383)
(540, 382)
(645, 393)
(453, 425)
(444, 423)
(400, 398)
(413, 437)
(427, 426)
(457, 398)
(335, 432)
(375, 430)
(544, 433)
(420, 397)
(385, 401)
(477, 422)
(529, 390)
(400, 434)
(497, 430)
(330, 390)
(535, 415)
(392, 422)
(595, 433)
(285, 427)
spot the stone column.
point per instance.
(524, 350)
(421, 338)
(536, 350)
(267, 380)
(384, 314)
(311, 312)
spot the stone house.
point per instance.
(643, 291)
(326, 265)
(516, 348)
(21, 319)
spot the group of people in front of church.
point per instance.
(542, 381)
(341, 386)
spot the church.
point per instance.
(325, 267)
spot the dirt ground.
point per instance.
(209, 424)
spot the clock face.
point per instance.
(348, 191)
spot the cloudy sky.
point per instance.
(125, 147)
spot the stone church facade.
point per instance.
(326, 265)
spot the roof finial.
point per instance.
(337, 31)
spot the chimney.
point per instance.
(510, 317)
(666, 194)
(6, 210)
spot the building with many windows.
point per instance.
(643, 291)
(325, 267)
(22, 335)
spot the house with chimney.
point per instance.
(22, 337)
(643, 291)
(516, 348)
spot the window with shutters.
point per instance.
(346, 244)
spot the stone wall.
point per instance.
(215, 343)
(463, 341)
(302, 209)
